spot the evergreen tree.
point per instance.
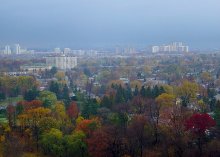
(65, 93)
(53, 71)
(128, 93)
(217, 113)
(119, 98)
(31, 94)
(65, 96)
(155, 91)
(149, 92)
(89, 108)
(71, 85)
(106, 102)
(2, 96)
(212, 104)
(143, 91)
(211, 93)
(54, 87)
(161, 90)
(136, 91)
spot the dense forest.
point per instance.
(164, 120)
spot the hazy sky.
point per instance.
(100, 23)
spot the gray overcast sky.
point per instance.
(97, 23)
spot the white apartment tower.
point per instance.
(66, 50)
(7, 50)
(62, 61)
(57, 50)
(17, 49)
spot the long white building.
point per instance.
(62, 61)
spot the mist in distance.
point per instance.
(107, 23)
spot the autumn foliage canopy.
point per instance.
(199, 123)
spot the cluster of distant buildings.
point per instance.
(127, 50)
(14, 49)
(173, 47)
(178, 47)
(76, 52)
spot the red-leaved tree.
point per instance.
(99, 144)
(73, 111)
(198, 124)
(88, 126)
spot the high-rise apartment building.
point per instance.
(62, 61)
(7, 50)
(173, 47)
(17, 49)
(67, 50)
(57, 50)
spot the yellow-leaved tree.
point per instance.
(187, 92)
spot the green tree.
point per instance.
(74, 145)
(155, 91)
(54, 87)
(60, 115)
(47, 123)
(120, 95)
(26, 82)
(2, 96)
(143, 91)
(136, 91)
(105, 102)
(149, 92)
(48, 98)
(53, 71)
(211, 93)
(65, 93)
(217, 114)
(31, 94)
(128, 93)
(119, 119)
(89, 108)
(51, 142)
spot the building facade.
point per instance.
(34, 68)
(62, 62)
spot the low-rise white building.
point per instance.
(35, 68)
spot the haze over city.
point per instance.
(107, 23)
(109, 78)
